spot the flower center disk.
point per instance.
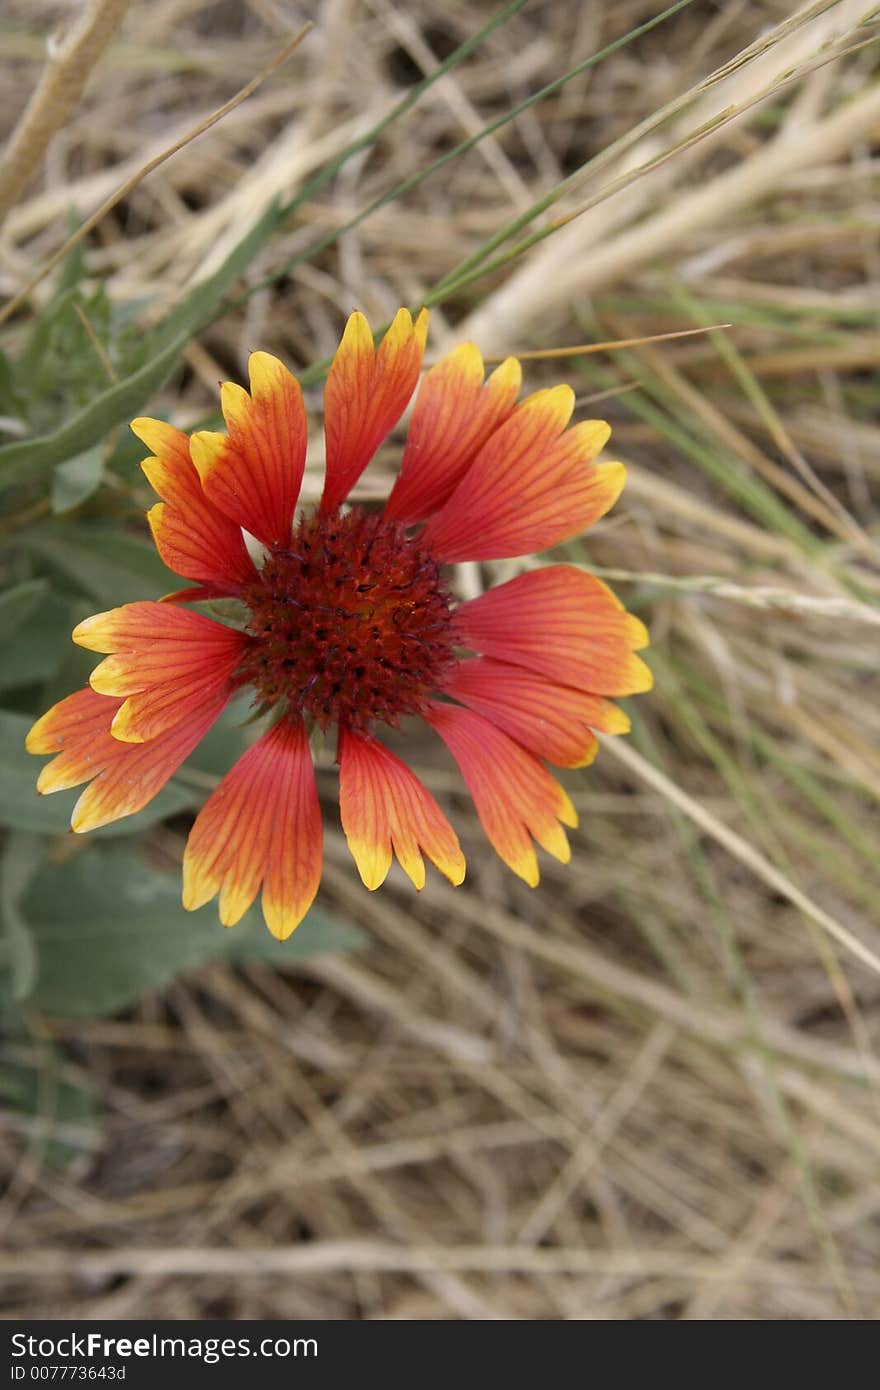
(351, 624)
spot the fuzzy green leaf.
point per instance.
(108, 928)
(17, 604)
(77, 479)
(32, 652)
(107, 563)
(22, 854)
(28, 459)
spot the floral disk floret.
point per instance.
(353, 623)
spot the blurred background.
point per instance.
(649, 1087)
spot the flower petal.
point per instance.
(131, 778)
(262, 825)
(167, 660)
(552, 721)
(366, 394)
(137, 627)
(253, 474)
(148, 713)
(516, 798)
(384, 806)
(531, 486)
(125, 776)
(194, 539)
(454, 415)
(564, 624)
(74, 722)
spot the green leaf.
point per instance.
(108, 928)
(77, 479)
(73, 267)
(22, 855)
(32, 653)
(18, 603)
(106, 562)
(37, 354)
(28, 459)
(194, 312)
(22, 807)
(8, 395)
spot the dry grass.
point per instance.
(648, 1088)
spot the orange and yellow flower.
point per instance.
(351, 622)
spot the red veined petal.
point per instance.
(454, 415)
(138, 628)
(253, 474)
(366, 394)
(530, 487)
(193, 538)
(73, 723)
(261, 826)
(130, 779)
(166, 659)
(384, 806)
(552, 721)
(564, 624)
(148, 713)
(124, 776)
(516, 798)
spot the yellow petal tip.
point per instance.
(122, 727)
(85, 631)
(455, 871)
(282, 920)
